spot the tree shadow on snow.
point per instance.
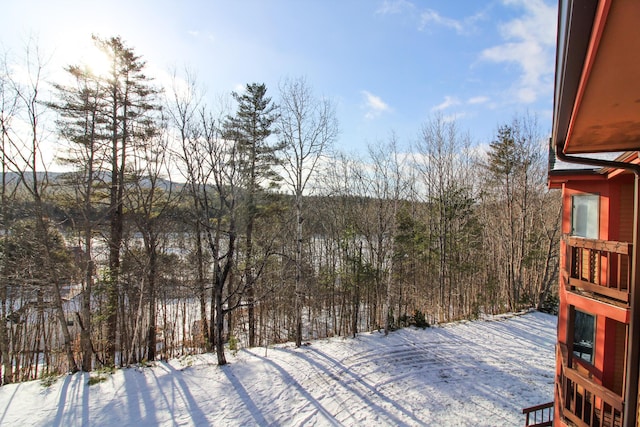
(508, 379)
(196, 414)
(6, 408)
(369, 390)
(139, 400)
(289, 380)
(255, 412)
(76, 390)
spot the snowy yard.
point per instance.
(478, 373)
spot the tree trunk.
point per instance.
(250, 294)
(85, 326)
(57, 298)
(4, 336)
(202, 292)
(219, 322)
(151, 333)
(298, 278)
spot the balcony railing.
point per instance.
(539, 415)
(584, 402)
(601, 267)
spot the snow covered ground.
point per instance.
(478, 373)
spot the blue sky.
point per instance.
(388, 65)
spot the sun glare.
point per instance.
(95, 60)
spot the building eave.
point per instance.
(596, 98)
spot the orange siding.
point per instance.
(615, 223)
(626, 214)
(619, 353)
(614, 347)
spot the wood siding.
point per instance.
(626, 213)
(618, 373)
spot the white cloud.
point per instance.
(529, 42)
(480, 151)
(207, 36)
(430, 16)
(478, 100)
(449, 118)
(374, 105)
(449, 101)
(392, 7)
(466, 25)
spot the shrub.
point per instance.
(48, 379)
(550, 304)
(101, 374)
(404, 320)
(419, 320)
(95, 379)
(233, 344)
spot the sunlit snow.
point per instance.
(479, 373)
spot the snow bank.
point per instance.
(466, 374)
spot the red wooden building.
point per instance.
(595, 139)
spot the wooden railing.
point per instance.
(584, 402)
(539, 415)
(601, 267)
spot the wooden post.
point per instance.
(633, 339)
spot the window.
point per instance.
(585, 215)
(584, 330)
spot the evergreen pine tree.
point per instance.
(249, 129)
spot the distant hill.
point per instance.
(62, 179)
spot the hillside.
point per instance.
(479, 373)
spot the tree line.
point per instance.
(182, 228)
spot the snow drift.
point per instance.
(479, 373)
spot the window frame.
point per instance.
(579, 355)
(588, 228)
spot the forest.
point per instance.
(178, 227)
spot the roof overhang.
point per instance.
(555, 179)
(561, 173)
(597, 82)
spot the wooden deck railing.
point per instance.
(601, 267)
(583, 401)
(539, 415)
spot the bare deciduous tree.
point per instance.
(25, 159)
(81, 123)
(308, 126)
(389, 186)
